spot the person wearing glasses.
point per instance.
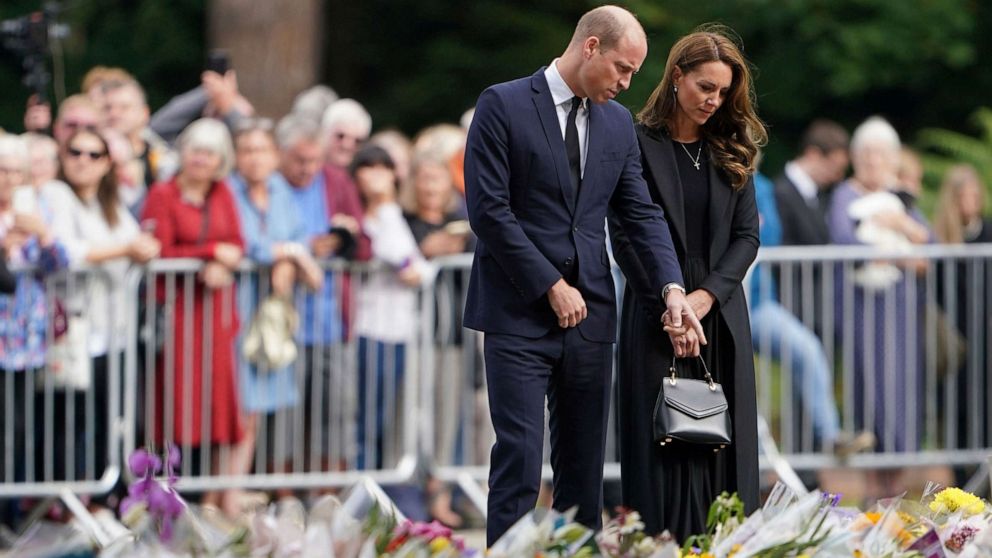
(24, 320)
(195, 215)
(76, 112)
(96, 230)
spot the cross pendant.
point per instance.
(696, 165)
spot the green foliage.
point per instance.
(162, 42)
(948, 147)
(418, 62)
(726, 512)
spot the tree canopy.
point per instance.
(418, 62)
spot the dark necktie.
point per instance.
(572, 146)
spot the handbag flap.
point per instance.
(694, 397)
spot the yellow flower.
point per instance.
(439, 544)
(954, 499)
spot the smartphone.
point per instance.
(23, 200)
(218, 61)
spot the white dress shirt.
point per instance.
(804, 184)
(562, 96)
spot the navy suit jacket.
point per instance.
(532, 230)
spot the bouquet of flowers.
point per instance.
(624, 537)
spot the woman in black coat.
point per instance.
(699, 137)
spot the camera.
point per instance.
(29, 37)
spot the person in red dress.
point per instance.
(194, 215)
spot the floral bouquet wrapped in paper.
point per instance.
(546, 533)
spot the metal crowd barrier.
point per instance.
(869, 330)
(59, 423)
(313, 429)
(902, 338)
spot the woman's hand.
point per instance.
(686, 345)
(30, 224)
(228, 254)
(13, 241)
(144, 248)
(441, 243)
(410, 276)
(701, 302)
(216, 275)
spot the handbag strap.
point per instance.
(709, 379)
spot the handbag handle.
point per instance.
(709, 379)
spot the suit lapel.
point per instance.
(720, 193)
(546, 112)
(657, 151)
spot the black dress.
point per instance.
(673, 486)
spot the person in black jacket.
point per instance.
(801, 190)
(699, 137)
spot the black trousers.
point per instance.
(574, 375)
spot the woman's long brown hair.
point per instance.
(734, 132)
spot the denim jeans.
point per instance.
(775, 329)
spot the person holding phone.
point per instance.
(24, 318)
(217, 96)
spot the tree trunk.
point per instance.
(274, 45)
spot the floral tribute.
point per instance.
(944, 523)
(149, 496)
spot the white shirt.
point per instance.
(562, 96)
(804, 184)
(387, 308)
(81, 227)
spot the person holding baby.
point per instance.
(885, 306)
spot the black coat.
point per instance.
(733, 246)
(802, 224)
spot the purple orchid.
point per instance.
(162, 502)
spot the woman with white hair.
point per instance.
(24, 324)
(886, 310)
(194, 215)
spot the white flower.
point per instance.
(631, 523)
(645, 547)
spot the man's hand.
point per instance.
(679, 315)
(567, 303)
(222, 90)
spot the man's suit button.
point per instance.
(575, 229)
(568, 261)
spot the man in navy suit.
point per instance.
(547, 156)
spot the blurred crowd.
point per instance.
(102, 181)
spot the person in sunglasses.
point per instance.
(96, 230)
(76, 112)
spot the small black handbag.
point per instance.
(692, 411)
